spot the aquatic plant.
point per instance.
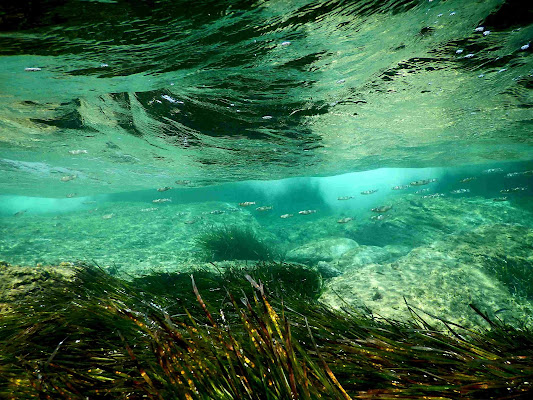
(280, 279)
(513, 272)
(234, 243)
(100, 337)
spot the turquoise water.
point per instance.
(299, 107)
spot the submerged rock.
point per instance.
(321, 250)
(363, 255)
(442, 279)
(17, 282)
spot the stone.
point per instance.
(443, 279)
(321, 250)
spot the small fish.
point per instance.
(71, 195)
(161, 200)
(422, 191)
(32, 69)
(345, 220)
(164, 189)
(379, 217)
(460, 191)
(190, 221)
(469, 179)
(182, 213)
(422, 182)
(108, 216)
(67, 178)
(504, 198)
(217, 212)
(400, 187)
(513, 190)
(285, 216)
(369, 191)
(381, 209)
(264, 208)
(171, 100)
(492, 171)
(247, 203)
(433, 196)
(512, 174)
(183, 182)
(149, 209)
(345, 198)
(306, 212)
(78, 151)
(19, 213)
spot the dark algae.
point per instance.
(229, 336)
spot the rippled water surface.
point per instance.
(212, 91)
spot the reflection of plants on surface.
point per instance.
(234, 243)
(101, 337)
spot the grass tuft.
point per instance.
(234, 243)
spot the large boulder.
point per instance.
(444, 278)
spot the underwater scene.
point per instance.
(268, 199)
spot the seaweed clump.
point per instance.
(234, 243)
(100, 337)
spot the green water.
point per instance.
(294, 106)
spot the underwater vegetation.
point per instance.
(227, 336)
(515, 273)
(234, 243)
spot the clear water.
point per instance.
(288, 104)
